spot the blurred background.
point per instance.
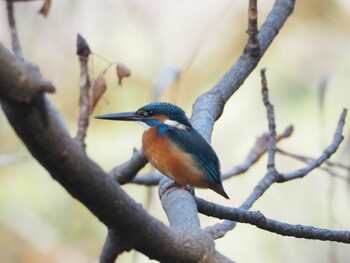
(195, 42)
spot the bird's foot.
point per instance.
(173, 184)
(188, 188)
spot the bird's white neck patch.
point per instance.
(144, 125)
(176, 124)
(171, 123)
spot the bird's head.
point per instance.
(153, 114)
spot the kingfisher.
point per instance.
(174, 147)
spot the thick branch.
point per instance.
(20, 80)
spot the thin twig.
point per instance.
(329, 164)
(259, 149)
(252, 46)
(307, 159)
(271, 122)
(327, 153)
(83, 51)
(16, 45)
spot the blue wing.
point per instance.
(193, 143)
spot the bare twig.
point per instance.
(252, 46)
(327, 153)
(83, 51)
(271, 122)
(257, 219)
(16, 45)
(308, 159)
(260, 147)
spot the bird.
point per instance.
(174, 147)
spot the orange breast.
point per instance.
(168, 158)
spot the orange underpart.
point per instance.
(168, 158)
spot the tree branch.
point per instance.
(113, 246)
(209, 106)
(252, 46)
(260, 147)
(20, 81)
(327, 153)
(257, 219)
(127, 171)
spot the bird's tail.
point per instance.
(218, 188)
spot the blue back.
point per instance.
(193, 143)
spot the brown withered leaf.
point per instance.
(44, 10)
(83, 48)
(122, 72)
(98, 88)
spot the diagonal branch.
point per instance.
(260, 147)
(327, 153)
(257, 219)
(209, 106)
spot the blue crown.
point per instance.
(172, 111)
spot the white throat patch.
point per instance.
(144, 125)
(176, 125)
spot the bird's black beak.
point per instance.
(123, 116)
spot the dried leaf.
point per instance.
(83, 48)
(98, 88)
(122, 72)
(45, 8)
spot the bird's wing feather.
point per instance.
(195, 145)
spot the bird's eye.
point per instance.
(142, 113)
